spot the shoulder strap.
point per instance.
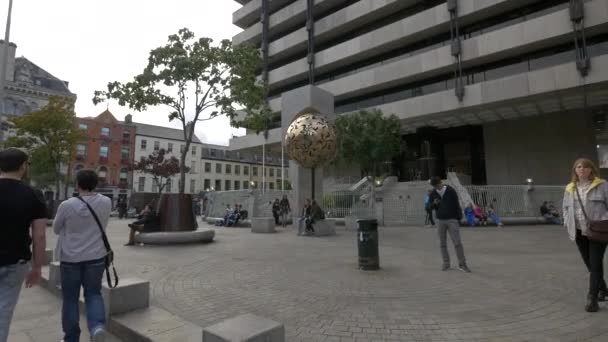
(578, 196)
(103, 233)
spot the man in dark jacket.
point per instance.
(448, 213)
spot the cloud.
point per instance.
(92, 42)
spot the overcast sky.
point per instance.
(92, 42)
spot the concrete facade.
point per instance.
(518, 63)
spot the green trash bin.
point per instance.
(367, 243)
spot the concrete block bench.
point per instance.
(350, 222)
(130, 294)
(245, 328)
(262, 225)
(164, 238)
(54, 275)
(324, 227)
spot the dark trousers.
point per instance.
(429, 217)
(592, 253)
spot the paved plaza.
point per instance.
(528, 284)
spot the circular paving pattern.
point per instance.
(528, 284)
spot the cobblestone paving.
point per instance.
(528, 284)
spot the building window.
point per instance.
(182, 148)
(170, 147)
(245, 185)
(279, 185)
(105, 131)
(155, 185)
(144, 144)
(193, 166)
(193, 150)
(254, 171)
(271, 172)
(83, 127)
(279, 173)
(126, 136)
(271, 185)
(124, 153)
(207, 184)
(103, 151)
(237, 169)
(228, 169)
(212, 152)
(192, 185)
(156, 145)
(81, 150)
(102, 174)
(286, 173)
(265, 171)
(124, 174)
(237, 185)
(218, 168)
(246, 170)
(218, 185)
(227, 183)
(141, 186)
(169, 186)
(207, 167)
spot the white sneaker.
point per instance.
(99, 335)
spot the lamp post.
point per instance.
(7, 34)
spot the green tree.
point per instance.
(50, 135)
(367, 138)
(196, 81)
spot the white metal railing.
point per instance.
(516, 200)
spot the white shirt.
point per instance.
(442, 191)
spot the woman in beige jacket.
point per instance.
(593, 193)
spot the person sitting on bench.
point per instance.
(316, 214)
(146, 216)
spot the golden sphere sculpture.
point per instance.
(311, 140)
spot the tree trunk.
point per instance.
(182, 171)
(57, 182)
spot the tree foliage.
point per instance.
(50, 134)
(367, 138)
(159, 167)
(197, 81)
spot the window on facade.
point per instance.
(218, 168)
(193, 150)
(254, 170)
(228, 169)
(170, 147)
(169, 186)
(271, 185)
(246, 170)
(265, 171)
(237, 169)
(245, 185)
(81, 150)
(124, 153)
(193, 166)
(144, 144)
(155, 186)
(83, 127)
(286, 173)
(207, 184)
(105, 131)
(207, 167)
(218, 185)
(102, 174)
(103, 151)
(182, 148)
(212, 152)
(279, 173)
(227, 184)
(126, 135)
(156, 145)
(237, 185)
(271, 172)
(279, 185)
(192, 186)
(141, 185)
(124, 174)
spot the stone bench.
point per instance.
(130, 294)
(262, 225)
(324, 227)
(163, 238)
(245, 328)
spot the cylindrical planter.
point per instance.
(176, 214)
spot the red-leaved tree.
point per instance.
(160, 167)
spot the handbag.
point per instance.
(596, 230)
(109, 258)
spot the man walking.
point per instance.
(20, 208)
(448, 214)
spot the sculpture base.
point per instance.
(176, 213)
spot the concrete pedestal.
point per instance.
(54, 274)
(130, 294)
(263, 225)
(245, 328)
(325, 227)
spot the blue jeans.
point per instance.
(88, 275)
(11, 282)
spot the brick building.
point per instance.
(107, 149)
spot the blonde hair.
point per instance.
(595, 172)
